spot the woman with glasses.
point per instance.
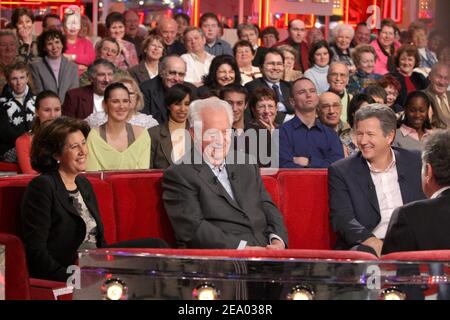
(153, 48)
(117, 144)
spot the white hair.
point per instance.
(343, 27)
(197, 107)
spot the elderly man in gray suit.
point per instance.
(439, 94)
(213, 202)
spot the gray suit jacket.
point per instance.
(442, 120)
(203, 215)
(139, 72)
(45, 80)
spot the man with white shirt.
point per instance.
(424, 225)
(81, 102)
(272, 68)
(439, 94)
(198, 60)
(212, 202)
(365, 188)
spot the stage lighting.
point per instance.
(114, 289)
(205, 291)
(301, 292)
(392, 294)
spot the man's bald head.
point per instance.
(329, 109)
(168, 28)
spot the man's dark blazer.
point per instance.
(259, 56)
(52, 229)
(139, 72)
(284, 86)
(154, 94)
(79, 102)
(161, 146)
(203, 215)
(354, 209)
(420, 225)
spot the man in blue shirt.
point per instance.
(210, 25)
(304, 141)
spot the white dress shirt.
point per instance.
(196, 69)
(388, 194)
(98, 100)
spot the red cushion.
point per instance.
(304, 204)
(139, 207)
(17, 286)
(428, 255)
(104, 195)
(272, 188)
(289, 253)
(9, 167)
(10, 198)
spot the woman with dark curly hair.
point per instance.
(54, 71)
(223, 71)
(59, 213)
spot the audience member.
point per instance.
(342, 38)
(197, 59)
(83, 101)
(211, 26)
(172, 71)
(153, 49)
(22, 20)
(79, 50)
(8, 53)
(418, 32)
(385, 47)
(169, 139)
(250, 33)
(53, 72)
(47, 107)
(16, 110)
(362, 34)
(392, 86)
(297, 40)
(223, 71)
(439, 95)
(127, 57)
(167, 28)
(406, 60)
(244, 53)
(51, 21)
(290, 56)
(320, 56)
(304, 141)
(269, 37)
(132, 30)
(272, 70)
(117, 144)
(183, 21)
(415, 124)
(364, 57)
(338, 77)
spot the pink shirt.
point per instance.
(388, 194)
(381, 64)
(412, 133)
(84, 50)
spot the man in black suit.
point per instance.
(425, 224)
(172, 71)
(213, 202)
(364, 189)
(272, 68)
